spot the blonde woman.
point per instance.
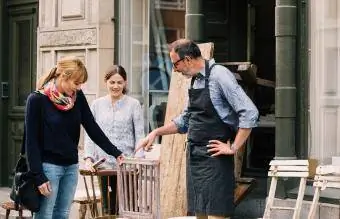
(121, 118)
(53, 117)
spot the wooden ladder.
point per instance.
(286, 168)
(327, 176)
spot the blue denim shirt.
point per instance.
(230, 101)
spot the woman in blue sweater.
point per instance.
(53, 117)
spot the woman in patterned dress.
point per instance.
(121, 118)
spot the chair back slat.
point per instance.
(328, 169)
(327, 176)
(289, 163)
(288, 168)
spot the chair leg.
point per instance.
(82, 211)
(313, 207)
(299, 199)
(270, 199)
(20, 213)
(7, 213)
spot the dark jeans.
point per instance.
(109, 193)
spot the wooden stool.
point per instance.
(10, 205)
(327, 176)
(286, 168)
(89, 197)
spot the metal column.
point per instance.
(285, 92)
(194, 21)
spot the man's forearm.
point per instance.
(167, 129)
(241, 137)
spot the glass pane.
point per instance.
(133, 42)
(24, 57)
(167, 24)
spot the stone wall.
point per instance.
(81, 28)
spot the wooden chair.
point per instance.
(138, 189)
(287, 168)
(89, 197)
(9, 206)
(327, 176)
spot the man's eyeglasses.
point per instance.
(178, 61)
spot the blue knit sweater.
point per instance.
(52, 135)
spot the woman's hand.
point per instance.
(89, 165)
(219, 148)
(45, 189)
(120, 159)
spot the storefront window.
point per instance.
(146, 28)
(167, 22)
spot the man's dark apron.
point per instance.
(210, 180)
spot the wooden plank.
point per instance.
(173, 159)
(288, 174)
(265, 83)
(270, 200)
(289, 162)
(234, 63)
(326, 184)
(282, 208)
(328, 178)
(243, 187)
(314, 204)
(245, 180)
(289, 168)
(141, 161)
(299, 199)
(328, 169)
(238, 161)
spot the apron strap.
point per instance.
(207, 75)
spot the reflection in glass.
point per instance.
(167, 22)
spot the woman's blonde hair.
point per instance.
(68, 68)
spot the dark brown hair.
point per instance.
(116, 69)
(185, 47)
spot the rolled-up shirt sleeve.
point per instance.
(182, 121)
(238, 100)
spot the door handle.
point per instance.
(4, 90)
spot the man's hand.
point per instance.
(45, 188)
(146, 142)
(218, 148)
